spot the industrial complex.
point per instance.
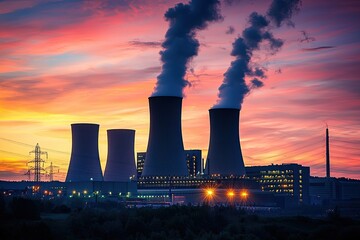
(168, 174)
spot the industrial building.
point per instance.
(289, 180)
(140, 161)
(192, 158)
(340, 193)
(168, 173)
(327, 190)
(194, 162)
(87, 189)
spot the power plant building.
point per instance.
(224, 153)
(327, 190)
(285, 179)
(140, 161)
(120, 165)
(192, 160)
(165, 152)
(84, 161)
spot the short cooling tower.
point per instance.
(120, 165)
(84, 162)
(165, 154)
(224, 153)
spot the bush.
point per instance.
(2, 207)
(23, 208)
(61, 209)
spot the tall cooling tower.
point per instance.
(165, 154)
(224, 153)
(120, 165)
(84, 162)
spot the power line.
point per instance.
(12, 153)
(290, 144)
(345, 147)
(29, 145)
(345, 141)
(291, 151)
(16, 142)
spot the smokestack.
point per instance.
(165, 154)
(84, 162)
(120, 164)
(327, 154)
(224, 155)
(202, 166)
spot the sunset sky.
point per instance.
(64, 62)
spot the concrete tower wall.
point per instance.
(84, 161)
(120, 164)
(165, 154)
(224, 153)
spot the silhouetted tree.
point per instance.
(2, 206)
(23, 208)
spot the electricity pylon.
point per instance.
(37, 161)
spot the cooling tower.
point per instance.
(224, 153)
(84, 162)
(165, 154)
(120, 164)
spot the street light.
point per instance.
(209, 192)
(244, 194)
(230, 194)
(209, 195)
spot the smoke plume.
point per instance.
(281, 11)
(180, 44)
(234, 87)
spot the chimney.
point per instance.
(327, 154)
(120, 164)
(165, 154)
(224, 153)
(84, 161)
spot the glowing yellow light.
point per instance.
(45, 192)
(230, 193)
(244, 194)
(85, 192)
(209, 192)
(74, 192)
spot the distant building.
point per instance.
(193, 161)
(340, 193)
(86, 189)
(140, 161)
(283, 180)
(324, 190)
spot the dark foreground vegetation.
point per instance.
(30, 219)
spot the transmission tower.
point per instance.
(37, 161)
(28, 173)
(50, 170)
